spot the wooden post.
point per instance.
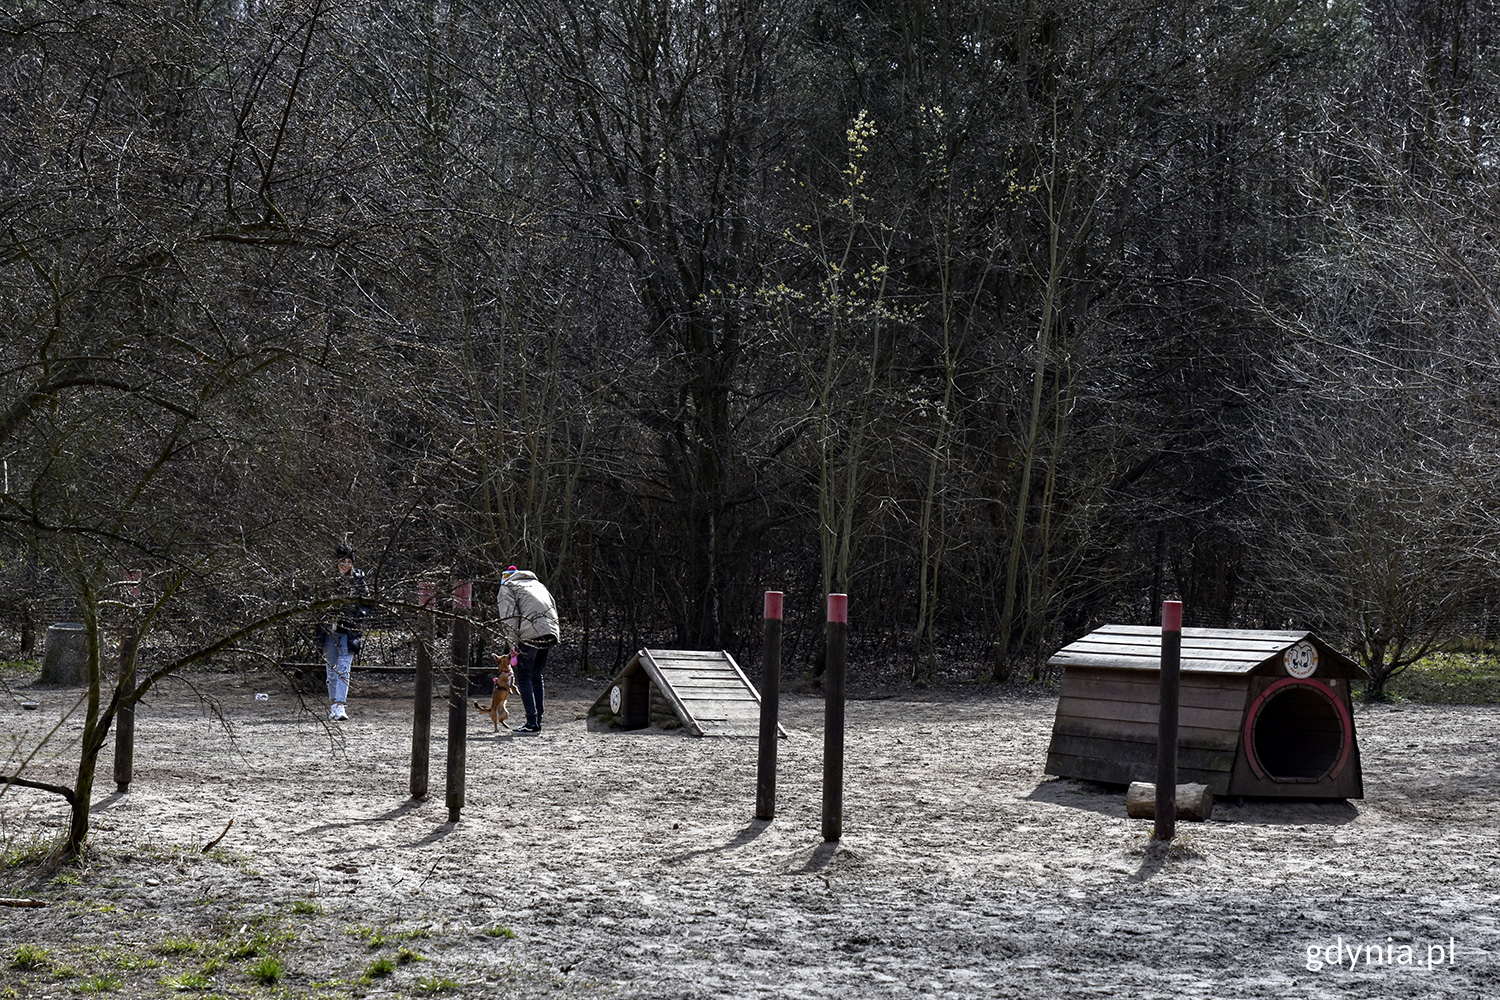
(421, 722)
(458, 693)
(1166, 727)
(837, 640)
(125, 715)
(770, 709)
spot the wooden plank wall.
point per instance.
(1105, 729)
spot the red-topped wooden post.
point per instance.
(421, 722)
(458, 693)
(125, 715)
(837, 640)
(1166, 728)
(770, 709)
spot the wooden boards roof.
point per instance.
(1204, 650)
(706, 689)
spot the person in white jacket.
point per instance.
(528, 622)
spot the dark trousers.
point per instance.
(529, 680)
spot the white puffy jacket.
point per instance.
(527, 611)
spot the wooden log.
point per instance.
(1194, 802)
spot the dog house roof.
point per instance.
(1204, 651)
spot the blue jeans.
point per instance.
(529, 680)
(340, 662)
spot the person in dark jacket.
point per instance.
(338, 636)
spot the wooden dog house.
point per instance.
(703, 691)
(1262, 713)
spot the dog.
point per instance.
(496, 709)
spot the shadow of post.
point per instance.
(745, 836)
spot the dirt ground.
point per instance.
(630, 865)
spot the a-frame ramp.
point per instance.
(706, 690)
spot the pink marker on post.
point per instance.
(838, 608)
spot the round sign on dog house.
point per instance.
(1301, 660)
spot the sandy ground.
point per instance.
(630, 865)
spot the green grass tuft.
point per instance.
(102, 983)
(267, 970)
(177, 945)
(260, 944)
(379, 937)
(499, 932)
(30, 956)
(194, 980)
(34, 851)
(436, 984)
(382, 966)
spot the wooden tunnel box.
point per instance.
(703, 691)
(1262, 713)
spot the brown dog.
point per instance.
(496, 709)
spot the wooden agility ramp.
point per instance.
(704, 691)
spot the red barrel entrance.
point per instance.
(1298, 731)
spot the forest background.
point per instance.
(1005, 318)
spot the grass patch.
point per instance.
(131, 961)
(260, 944)
(30, 956)
(499, 932)
(1450, 678)
(177, 945)
(32, 852)
(195, 980)
(382, 966)
(267, 970)
(101, 983)
(19, 668)
(379, 937)
(406, 956)
(436, 984)
(308, 907)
